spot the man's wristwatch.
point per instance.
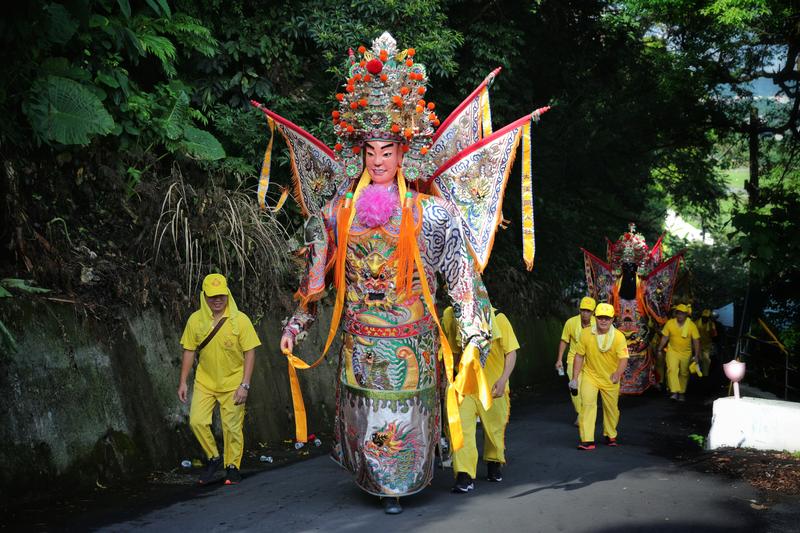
(245, 386)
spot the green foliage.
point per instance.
(737, 12)
(201, 144)
(716, 273)
(790, 337)
(162, 48)
(177, 117)
(700, 440)
(65, 111)
(100, 82)
(60, 24)
(22, 285)
(768, 237)
(160, 7)
(764, 230)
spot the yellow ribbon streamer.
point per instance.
(299, 406)
(263, 182)
(300, 428)
(486, 113)
(528, 243)
(401, 185)
(471, 379)
(281, 200)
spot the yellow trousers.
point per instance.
(494, 423)
(588, 395)
(705, 360)
(232, 416)
(661, 367)
(677, 371)
(576, 400)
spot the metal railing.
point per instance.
(791, 373)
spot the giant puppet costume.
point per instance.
(639, 283)
(381, 249)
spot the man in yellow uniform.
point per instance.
(682, 341)
(571, 334)
(708, 330)
(600, 361)
(225, 340)
(499, 365)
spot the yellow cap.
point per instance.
(706, 313)
(694, 369)
(683, 308)
(215, 285)
(587, 303)
(604, 310)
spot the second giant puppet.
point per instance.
(639, 283)
(380, 245)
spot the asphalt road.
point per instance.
(645, 484)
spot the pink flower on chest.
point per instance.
(375, 206)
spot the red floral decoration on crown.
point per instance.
(381, 100)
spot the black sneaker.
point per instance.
(212, 465)
(391, 505)
(463, 483)
(494, 473)
(232, 475)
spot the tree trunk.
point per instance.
(754, 301)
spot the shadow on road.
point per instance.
(646, 483)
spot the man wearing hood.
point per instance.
(224, 340)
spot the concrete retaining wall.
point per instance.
(87, 402)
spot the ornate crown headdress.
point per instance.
(384, 99)
(629, 248)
